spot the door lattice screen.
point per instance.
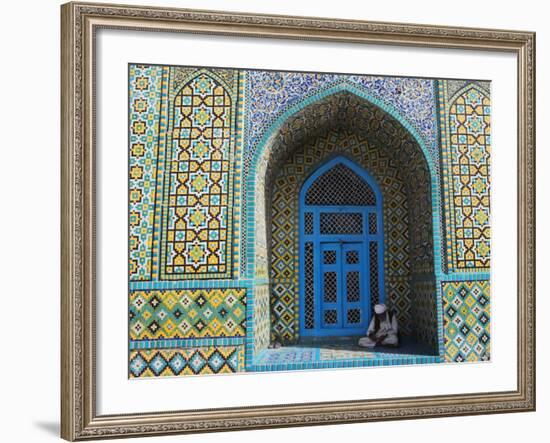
(341, 244)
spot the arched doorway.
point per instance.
(348, 123)
(341, 249)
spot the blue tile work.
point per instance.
(324, 356)
(305, 117)
(271, 93)
(176, 343)
(275, 96)
(465, 113)
(232, 254)
(186, 361)
(467, 307)
(148, 85)
(284, 227)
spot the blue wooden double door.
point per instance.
(341, 250)
(342, 301)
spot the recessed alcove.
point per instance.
(344, 191)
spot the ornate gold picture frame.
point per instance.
(79, 244)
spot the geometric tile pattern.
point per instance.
(466, 307)
(197, 223)
(322, 356)
(193, 140)
(146, 84)
(188, 361)
(185, 131)
(187, 313)
(284, 225)
(420, 218)
(424, 311)
(270, 94)
(261, 318)
(466, 181)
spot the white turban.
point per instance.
(380, 309)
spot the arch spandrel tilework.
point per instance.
(284, 227)
(198, 195)
(466, 161)
(272, 96)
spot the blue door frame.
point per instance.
(346, 269)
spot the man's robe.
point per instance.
(385, 334)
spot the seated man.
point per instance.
(382, 329)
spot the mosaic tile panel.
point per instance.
(424, 311)
(270, 93)
(466, 178)
(187, 313)
(284, 223)
(341, 356)
(284, 308)
(262, 321)
(147, 87)
(197, 226)
(189, 361)
(466, 306)
(194, 138)
(420, 218)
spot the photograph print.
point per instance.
(282, 221)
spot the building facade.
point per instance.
(271, 208)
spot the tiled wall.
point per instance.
(178, 331)
(465, 133)
(185, 146)
(284, 226)
(466, 305)
(262, 318)
(148, 84)
(211, 155)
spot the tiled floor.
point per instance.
(341, 353)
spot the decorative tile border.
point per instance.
(188, 361)
(178, 343)
(147, 87)
(187, 313)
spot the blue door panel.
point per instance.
(331, 284)
(344, 279)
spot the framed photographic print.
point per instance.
(272, 221)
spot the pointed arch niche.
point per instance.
(344, 123)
